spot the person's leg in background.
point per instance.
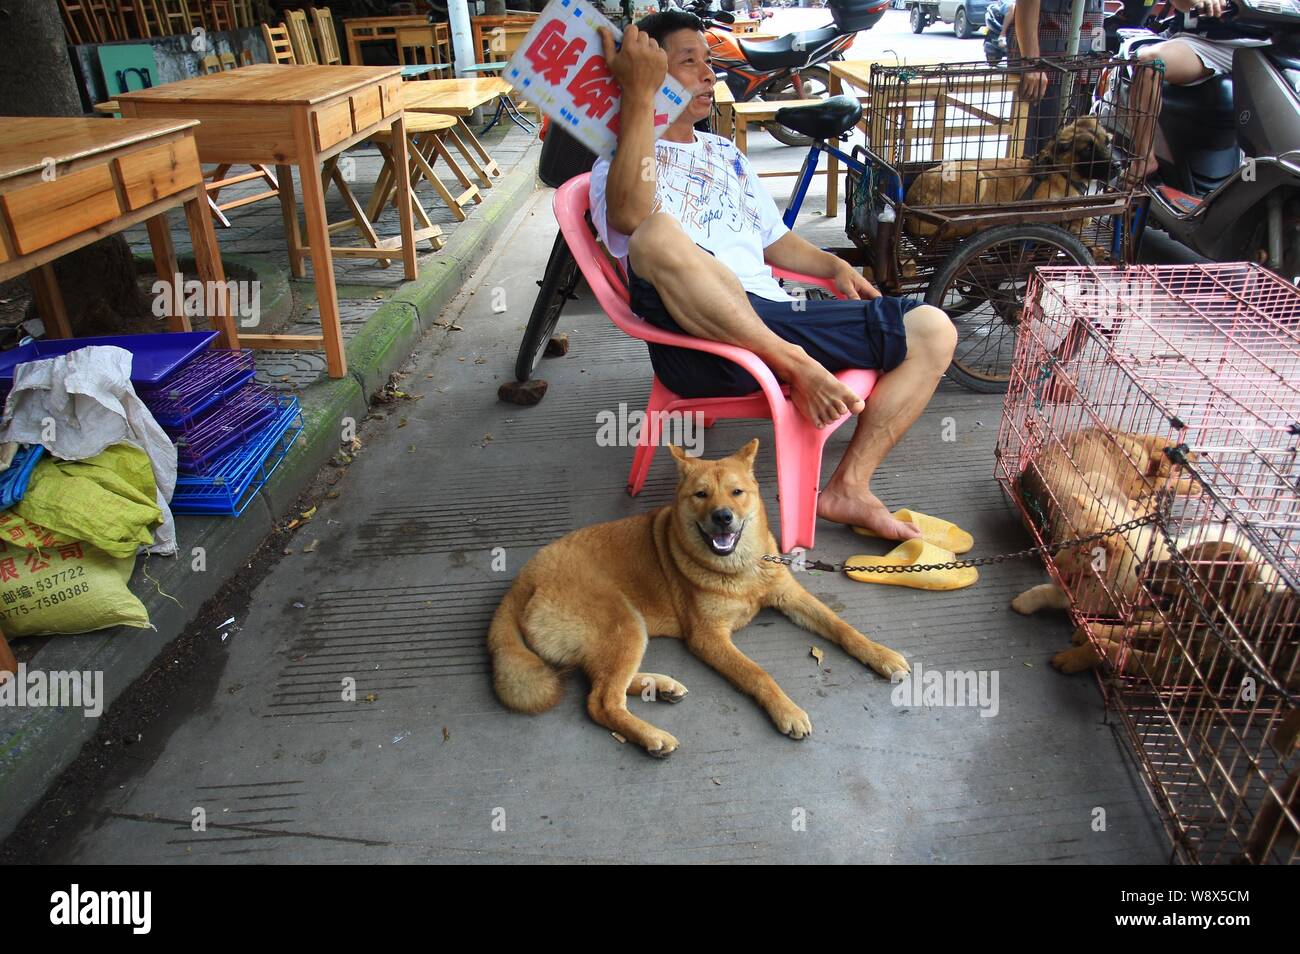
(897, 401)
(1182, 68)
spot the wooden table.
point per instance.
(68, 182)
(304, 116)
(857, 73)
(459, 98)
(745, 26)
(489, 45)
(358, 30)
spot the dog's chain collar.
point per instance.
(1048, 550)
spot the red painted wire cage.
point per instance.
(1166, 400)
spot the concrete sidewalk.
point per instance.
(425, 765)
(384, 319)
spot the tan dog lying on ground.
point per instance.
(1079, 155)
(691, 570)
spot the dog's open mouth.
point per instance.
(722, 544)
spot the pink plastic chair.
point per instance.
(798, 442)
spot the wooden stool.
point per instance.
(363, 222)
(425, 132)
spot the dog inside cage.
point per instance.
(1160, 405)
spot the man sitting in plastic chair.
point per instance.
(695, 236)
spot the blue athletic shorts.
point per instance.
(839, 334)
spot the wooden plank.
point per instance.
(49, 301)
(47, 212)
(292, 342)
(162, 170)
(235, 134)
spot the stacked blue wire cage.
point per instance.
(230, 432)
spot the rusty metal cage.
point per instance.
(1170, 396)
(953, 150)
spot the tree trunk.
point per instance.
(36, 79)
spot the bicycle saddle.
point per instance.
(794, 49)
(829, 119)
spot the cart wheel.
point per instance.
(981, 286)
(558, 283)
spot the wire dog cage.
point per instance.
(969, 187)
(1170, 397)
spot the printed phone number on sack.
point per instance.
(45, 602)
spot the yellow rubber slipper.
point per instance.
(907, 553)
(941, 533)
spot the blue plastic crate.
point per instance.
(209, 378)
(235, 478)
(153, 357)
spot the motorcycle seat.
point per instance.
(793, 49)
(829, 119)
(1207, 104)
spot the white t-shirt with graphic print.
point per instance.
(710, 188)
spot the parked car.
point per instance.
(966, 16)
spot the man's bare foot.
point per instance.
(1138, 172)
(820, 396)
(863, 510)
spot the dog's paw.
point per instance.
(1024, 604)
(791, 720)
(651, 686)
(887, 662)
(660, 744)
(1078, 659)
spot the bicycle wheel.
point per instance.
(557, 285)
(816, 85)
(981, 286)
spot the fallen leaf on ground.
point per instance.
(617, 736)
(816, 654)
(372, 698)
(311, 547)
(402, 422)
(446, 736)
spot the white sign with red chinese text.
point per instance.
(561, 67)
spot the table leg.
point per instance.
(742, 132)
(354, 48)
(164, 263)
(318, 243)
(833, 164)
(49, 301)
(402, 175)
(289, 211)
(207, 262)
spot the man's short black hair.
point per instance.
(659, 25)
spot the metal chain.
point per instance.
(1050, 549)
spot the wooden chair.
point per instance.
(228, 61)
(196, 15)
(326, 37)
(104, 15)
(418, 45)
(278, 45)
(142, 15)
(244, 13)
(304, 51)
(77, 23)
(210, 64)
(220, 14)
(246, 58)
(173, 17)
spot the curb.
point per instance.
(37, 744)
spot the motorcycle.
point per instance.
(1228, 185)
(788, 68)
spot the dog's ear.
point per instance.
(685, 463)
(747, 453)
